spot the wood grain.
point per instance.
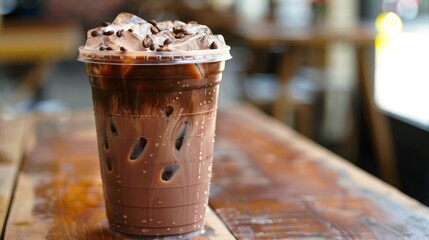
(59, 192)
(12, 145)
(268, 183)
(271, 183)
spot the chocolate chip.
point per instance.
(180, 35)
(105, 24)
(119, 33)
(154, 29)
(147, 42)
(102, 49)
(109, 48)
(214, 45)
(152, 47)
(108, 33)
(153, 22)
(96, 33)
(167, 41)
(123, 49)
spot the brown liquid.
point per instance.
(155, 131)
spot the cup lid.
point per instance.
(154, 57)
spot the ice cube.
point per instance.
(197, 28)
(190, 43)
(94, 43)
(220, 41)
(159, 39)
(141, 30)
(130, 41)
(178, 23)
(126, 18)
(165, 25)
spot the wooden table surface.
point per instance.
(268, 183)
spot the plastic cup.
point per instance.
(155, 115)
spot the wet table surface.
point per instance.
(268, 183)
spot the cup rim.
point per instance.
(153, 57)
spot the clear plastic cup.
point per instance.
(155, 115)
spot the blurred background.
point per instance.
(351, 75)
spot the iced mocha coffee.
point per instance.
(155, 87)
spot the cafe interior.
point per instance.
(350, 75)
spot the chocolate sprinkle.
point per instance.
(130, 30)
(147, 42)
(108, 33)
(109, 48)
(105, 24)
(167, 41)
(123, 49)
(154, 29)
(152, 47)
(102, 49)
(214, 45)
(119, 33)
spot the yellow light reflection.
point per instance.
(388, 23)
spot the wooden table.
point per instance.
(266, 35)
(268, 183)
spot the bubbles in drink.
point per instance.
(169, 171)
(138, 148)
